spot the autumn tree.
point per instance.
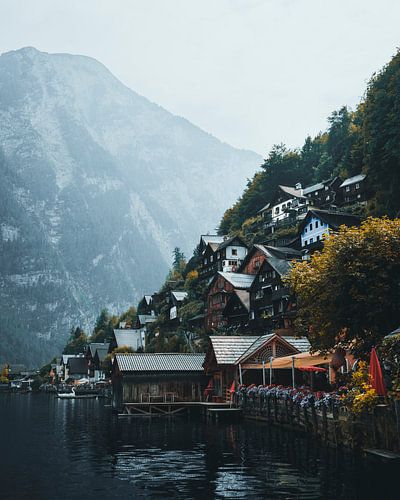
(349, 294)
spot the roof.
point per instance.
(238, 280)
(295, 193)
(127, 338)
(393, 333)
(77, 365)
(146, 318)
(212, 239)
(230, 241)
(264, 208)
(353, 180)
(97, 345)
(148, 299)
(300, 343)
(280, 252)
(281, 266)
(179, 296)
(244, 297)
(314, 187)
(160, 362)
(102, 352)
(333, 219)
(65, 357)
(228, 349)
(255, 345)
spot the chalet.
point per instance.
(209, 265)
(259, 253)
(214, 239)
(353, 190)
(225, 257)
(135, 338)
(76, 368)
(146, 305)
(238, 358)
(324, 194)
(177, 298)
(220, 289)
(95, 354)
(157, 377)
(318, 224)
(287, 203)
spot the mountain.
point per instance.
(98, 185)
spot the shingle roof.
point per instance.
(255, 345)
(228, 349)
(281, 266)
(128, 338)
(238, 280)
(102, 352)
(97, 345)
(300, 343)
(212, 238)
(353, 180)
(160, 362)
(179, 296)
(146, 318)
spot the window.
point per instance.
(316, 193)
(311, 240)
(347, 189)
(359, 196)
(260, 277)
(326, 188)
(316, 224)
(305, 242)
(234, 251)
(311, 226)
(251, 315)
(211, 258)
(218, 255)
(277, 210)
(318, 238)
(284, 206)
(205, 262)
(328, 198)
(305, 229)
(259, 294)
(357, 186)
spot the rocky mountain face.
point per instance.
(98, 185)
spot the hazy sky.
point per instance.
(253, 73)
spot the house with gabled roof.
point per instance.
(226, 256)
(237, 311)
(318, 224)
(286, 203)
(353, 190)
(177, 299)
(222, 286)
(238, 358)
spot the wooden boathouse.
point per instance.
(157, 378)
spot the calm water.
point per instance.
(55, 449)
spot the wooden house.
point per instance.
(95, 354)
(146, 305)
(177, 298)
(353, 190)
(220, 289)
(286, 204)
(76, 368)
(238, 358)
(324, 194)
(157, 377)
(318, 224)
(237, 311)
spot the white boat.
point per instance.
(67, 395)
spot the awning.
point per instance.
(300, 360)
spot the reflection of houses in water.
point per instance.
(238, 358)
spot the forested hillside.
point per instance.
(366, 140)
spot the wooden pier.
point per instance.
(224, 414)
(171, 408)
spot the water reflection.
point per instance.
(78, 449)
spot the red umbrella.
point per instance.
(232, 389)
(375, 373)
(312, 369)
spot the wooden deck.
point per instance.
(173, 408)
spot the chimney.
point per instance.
(298, 186)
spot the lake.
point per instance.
(60, 449)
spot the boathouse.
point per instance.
(157, 377)
(244, 359)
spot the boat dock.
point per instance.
(173, 408)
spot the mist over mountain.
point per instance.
(98, 185)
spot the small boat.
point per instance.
(67, 395)
(74, 395)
